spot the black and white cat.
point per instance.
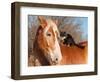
(69, 40)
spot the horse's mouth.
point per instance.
(54, 63)
(52, 59)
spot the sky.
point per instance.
(84, 26)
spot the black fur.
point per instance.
(69, 40)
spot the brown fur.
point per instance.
(42, 43)
(39, 47)
(73, 55)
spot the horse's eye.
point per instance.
(48, 34)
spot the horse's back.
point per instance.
(73, 55)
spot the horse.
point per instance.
(49, 51)
(46, 45)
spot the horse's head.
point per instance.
(47, 39)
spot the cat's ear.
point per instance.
(42, 21)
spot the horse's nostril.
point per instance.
(56, 59)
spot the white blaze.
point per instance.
(56, 53)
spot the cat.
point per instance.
(69, 40)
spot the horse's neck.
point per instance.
(39, 55)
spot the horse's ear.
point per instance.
(56, 22)
(42, 21)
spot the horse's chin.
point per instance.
(53, 63)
